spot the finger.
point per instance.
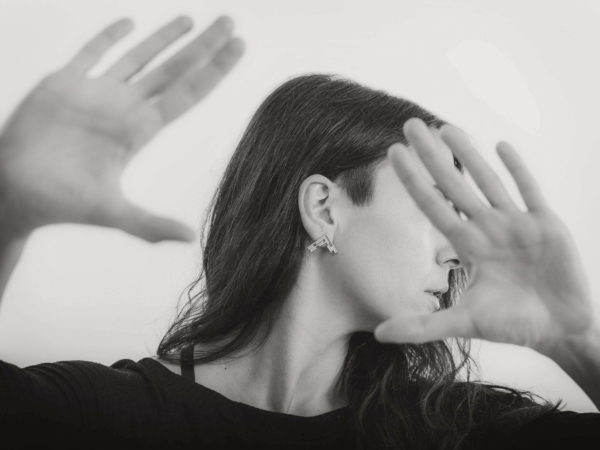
(527, 184)
(196, 53)
(446, 323)
(196, 84)
(447, 177)
(428, 200)
(91, 52)
(135, 60)
(150, 227)
(486, 179)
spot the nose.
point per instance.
(446, 255)
(453, 263)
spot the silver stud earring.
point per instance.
(323, 241)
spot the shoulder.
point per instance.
(558, 429)
(173, 367)
(517, 419)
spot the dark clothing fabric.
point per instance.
(129, 405)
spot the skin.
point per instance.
(64, 148)
(528, 286)
(527, 283)
(389, 253)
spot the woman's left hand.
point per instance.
(527, 285)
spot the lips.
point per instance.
(435, 300)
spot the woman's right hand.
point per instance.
(63, 150)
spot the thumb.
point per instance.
(148, 226)
(446, 323)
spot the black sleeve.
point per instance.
(53, 402)
(561, 429)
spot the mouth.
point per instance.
(436, 299)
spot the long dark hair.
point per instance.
(400, 396)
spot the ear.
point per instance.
(317, 198)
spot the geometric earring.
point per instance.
(323, 241)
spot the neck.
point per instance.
(295, 371)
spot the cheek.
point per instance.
(382, 264)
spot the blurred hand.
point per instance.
(527, 283)
(63, 150)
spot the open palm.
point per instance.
(63, 150)
(527, 285)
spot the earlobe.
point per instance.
(323, 241)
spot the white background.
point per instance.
(522, 71)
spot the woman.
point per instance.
(323, 227)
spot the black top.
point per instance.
(87, 405)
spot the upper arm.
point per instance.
(70, 397)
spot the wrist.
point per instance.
(580, 344)
(12, 230)
(11, 237)
(12, 243)
(575, 353)
(579, 357)
(586, 344)
(558, 344)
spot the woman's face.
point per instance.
(389, 251)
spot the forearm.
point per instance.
(580, 359)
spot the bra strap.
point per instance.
(187, 362)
